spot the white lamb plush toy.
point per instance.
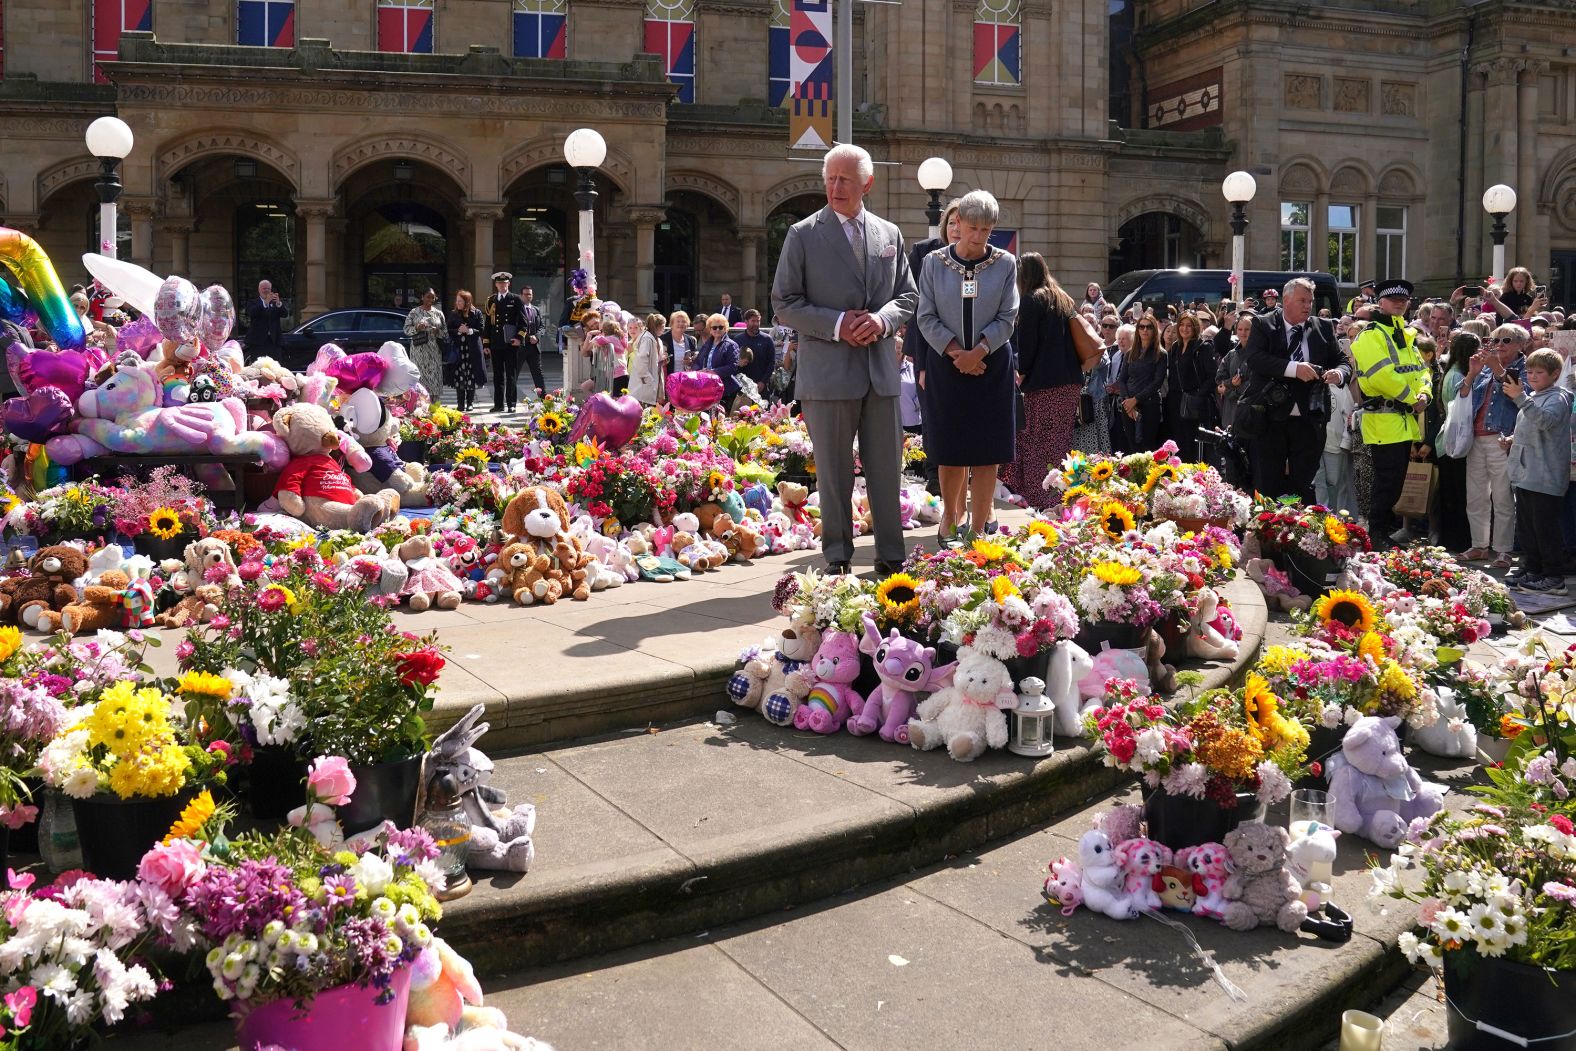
(967, 716)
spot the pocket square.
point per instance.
(889, 251)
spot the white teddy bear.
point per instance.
(969, 715)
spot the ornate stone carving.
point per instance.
(1298, 180)
(642, 215)
(260, 98)
(31, 127)
(175, 156)
(488, 210)
(401, 147)
(52, 179)
(1397, 99)
(1397, 183)
(710, 186)
(1352, 95)
(1184, 208)
(1504, 71)
(1349, 181)
(550, 150)
(799, 186)
(1304, 92)
(313, 208)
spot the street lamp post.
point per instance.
(1499, 201)
(1239, 189)
(935, 175)
(110, 140)
(585, 150)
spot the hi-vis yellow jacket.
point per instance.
(1390, 375)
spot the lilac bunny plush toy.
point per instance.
(906, 669)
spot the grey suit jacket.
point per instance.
(818, 278)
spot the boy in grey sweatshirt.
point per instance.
(1539, 469)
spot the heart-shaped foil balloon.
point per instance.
(66, 370)
(218, 316)
(355, 371)
(39, 416)
(612, 421)
(694, 391)
(140, 336)
(177, 309)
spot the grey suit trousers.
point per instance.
(833, 424)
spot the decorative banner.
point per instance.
(111, 18)
(1006, 240)
(777, 53)
(810, 75)
(539, 28)
(405, 26)
(997, 42)
(1186, 105)
(265, 23)
(670, 32)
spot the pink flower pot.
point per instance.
(346, 1016)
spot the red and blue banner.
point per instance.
(541, 28)
(265, 23)
(1006, 240)
(674, 39)
(405, 26)
(996, 55)
(111, 18)
(810, 75)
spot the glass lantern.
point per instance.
(446, 822)
(1033, 721)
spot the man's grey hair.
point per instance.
(1515, 332)
(1297, 282)
(846, 150)
(978, 208)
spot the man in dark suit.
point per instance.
(531, 337)
(503, 322)
(729, 311)
(264, 323)
(1292, 357)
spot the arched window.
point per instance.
(675, 255)
(541, 28)
(264, 248)
(111, 18)
(265, 23)
(537, 253)
(670, 32)
(405, 26)
(997, 43)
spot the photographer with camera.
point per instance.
(265, 322)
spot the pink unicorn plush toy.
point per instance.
(906, 669)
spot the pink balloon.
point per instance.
(356, 371)
(694, 391)
(177, 309)
(66, 370)
(612, 421)
(218, 316)
(39, 416)
(140, 336)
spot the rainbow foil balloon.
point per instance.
(29, 263)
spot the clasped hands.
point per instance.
(1308, 372)
(968, 362)
(860, 328)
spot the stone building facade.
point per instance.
(354, 151)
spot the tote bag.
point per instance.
(1455, 437)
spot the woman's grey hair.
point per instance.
(1516, 332)
(846, 150)
(978, 208)
(1297, 282)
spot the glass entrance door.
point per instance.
(400, 288)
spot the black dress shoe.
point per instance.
(496, 409)
(886, 569)
(837, 569)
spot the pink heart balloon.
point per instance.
(612, 421)
(694, 391)
(355, 371)
(66, 370)
(39, 416)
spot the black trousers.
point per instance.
(1390, 462)
(506, 371)
(532, 353)
(1286, 457)
(1538, 532)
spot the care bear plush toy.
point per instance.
(313, 487)
(1374, 792)
(968, 716)
(825, 689)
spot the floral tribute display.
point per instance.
(1315, 531)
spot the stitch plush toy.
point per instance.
(1208, 865)
(762, 680)
(1214, 633)
(1259, 889)
(1374, 792)
(47, 587)
(967, 716)
(431, 584)
(825, 689)
(100, 607)
(1102, 885)
(314, 488)
(1141, 861)
(905, 669)
(1064, 886)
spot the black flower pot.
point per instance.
(115, 833)
(384, 791)
(1532, 1003)
(414, 451)
(1311, 576)
(158, 548)
(24, 840)
(5, 848)
(1323, 743)
(1182, 821)
(275, 782)
(1091, 634)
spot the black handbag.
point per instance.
(1085, 409)
(1195, 408)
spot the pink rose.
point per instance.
(172, 866)
(330, 780)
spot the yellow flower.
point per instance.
(550, 423)
(1001, 589)
(1343, 606)
(1371, 645)
(9, 502)
(1260, 705)
(10, 642)
(1277, 660)
(1335, 530)
(1046, 531)
(1232, 752)
(1394, 679)
(715, 481)
(203, 684)
(990, 550)
(1116, 573)
(165, 523)
(126, 719)
(1102, 470)
(898, 596)
(1161, 472)
(76, 495)
(473, 457)
(1076, 493)
(193, 818)
(1116, 520)
(1510, 727)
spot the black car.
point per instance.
(1153, 289)
(350, 330)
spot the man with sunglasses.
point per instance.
(1396, 386)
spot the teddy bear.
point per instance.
(906, 669)
(692, 547)
(967, 716)
(538, 516)
(762, 679)
(196, 605)
(313, 487)
(1213, 634)
(1162, 676)
(100, 607)
(369, 421)
(1102, 877)
(1259, 889)
(1374, 792)
(1141, 860)
(47, 587)
(1208, 865)
(615, 555)
(1280, 594)
(1064, 886)
(794, 499)
(431, 584)
(205, 555)
(824, 690)
(741, 538)
(522, 573)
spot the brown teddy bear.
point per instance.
(46, 589)
(313, 487)
(197, 606)
(740, 538)
(1259, 889)
(520, 571)
(102, 606)
(538, 516)
(795, 501)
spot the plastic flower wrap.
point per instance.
(1200, 492)
(129, 742)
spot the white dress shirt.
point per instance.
(848, 222)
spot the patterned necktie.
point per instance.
(1296, 344)
(856, 241)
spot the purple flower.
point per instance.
(411, 846)
(1561, 892)
(243, 900)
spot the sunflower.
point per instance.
(1371, 645)
(165, 523)
(9, 502)
(898, 596)
(203, 684)
(990, 550)
(10, 642)
(1116, 573)
(550, 423)
(1161, 472)
(1102, 471)
(716, 482)
(1116, 520)
(1045, 531)
(1335, 530)
(472, 457)
(1350, 608)
(1074, 494)
(196, 814)
(1001, 589)
(1260, 705)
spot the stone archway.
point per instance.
(1187, 209)
(179, 154)
(1157, 232)
(424, 149)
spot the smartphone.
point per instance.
(1472, 290)
(1539, 290)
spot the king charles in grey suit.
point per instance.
(843, 284)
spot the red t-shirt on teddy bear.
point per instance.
(317, 475)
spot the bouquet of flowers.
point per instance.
(625, 488)
(166, 505)
(30, 718)
(839, 602)
(74, 509)
(1387, 666)
(551, 420)
(1314, 530)
(1116, 589)
(468, 488)
(1199, 493)
(431, 424)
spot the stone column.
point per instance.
(484, 217)
(1531, 229)
(1473, 253)
(1500, 145)
(1368, 239)
(645, 222)
(141, 212)
(1319, 233)
(315, 213)
(179, 232)
(751, 239)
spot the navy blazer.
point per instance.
(723, 359)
